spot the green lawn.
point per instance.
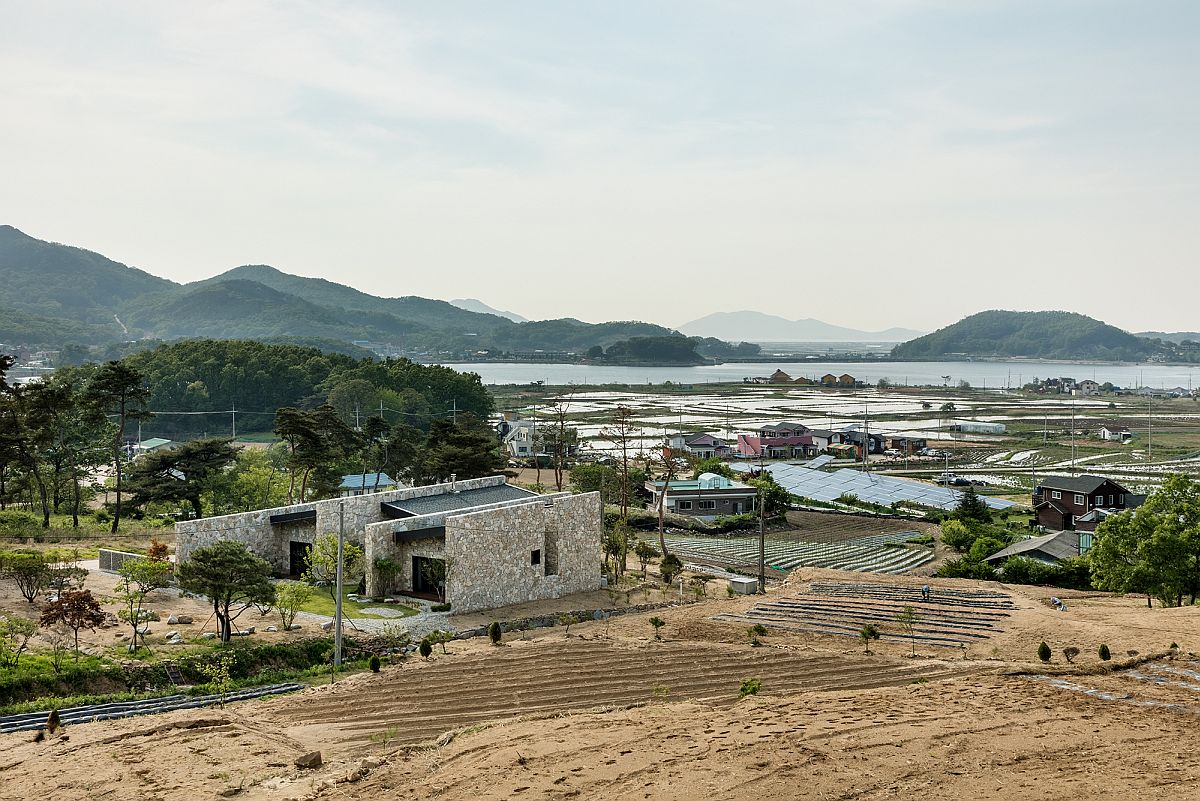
(322, 603)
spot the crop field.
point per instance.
(578, 674)
(951, 617)
(871, 553)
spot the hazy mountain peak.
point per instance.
(471, 304)
(755, 326)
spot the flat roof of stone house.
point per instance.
(464, 499)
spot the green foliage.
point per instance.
(971, 508)
(749, 687)
(494, 632)
(867, 633)
(1043, 334)
(1105, 654)
(290, 598)
(644, 552)
(441, 637)
(439, 608)
(15, 632)
(566, 619)
(657, 623)
(180, 474)
(1154, 549)
(1073, 574)
(756, 631)
(1044, 652)
(670, 567)
(466, 449)
(984, 546)
(322, 563)
(965, 568)
(675, 349)
(232, 578)
(605, 479)
(373, 663)
(956, 535)
(138, 578)
(28, 570)
(387, 570)
(774, 498)
(712, 465)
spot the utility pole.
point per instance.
(762, 537)
(337, 610)
(454, 411)
(1072, 437)
(233, 414)
(1149, 428)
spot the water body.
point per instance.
(987, 374)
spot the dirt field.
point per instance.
(548, 715)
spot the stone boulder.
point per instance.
(309, 761)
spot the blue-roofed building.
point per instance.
(363, 483)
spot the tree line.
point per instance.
(64, 439)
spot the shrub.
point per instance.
(494, 633)
(867, 633)
(373, 663)
(1044, 652)
(440, 637)
(670, 567)
(749, 687)
(657, 623)
(426, 647)
(567, 619)
(965, 568)
(956, 535)
(1070, 654)
(1174, 646)
(756, 631)
(1105, 654)
(439, 608)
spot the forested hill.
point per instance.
(187, 379)
(1041, 334)
(58, 295)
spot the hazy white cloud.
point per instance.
(871, 163)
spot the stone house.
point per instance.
(490, 543)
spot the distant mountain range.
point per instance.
(752, 326)
(1040, 334)
(471, 304)
(58, 294)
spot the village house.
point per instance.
(909, 445)
(702, 446)
(1087, 387)
(708, 495)
(1050, 549)
(480, 543)
(363, 483)
(528, 439)
(780, 377)
(829, 380)
(782, 430)
(1114, 432)
(1064, 504)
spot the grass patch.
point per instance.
(322, 603)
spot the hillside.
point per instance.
(22, 328)
(58, 294)
(59, 281)
(1042, 334)
(752, 326)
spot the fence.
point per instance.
(111, 561)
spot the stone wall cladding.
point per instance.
(271, 542)
(490, 552)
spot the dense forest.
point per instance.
(1043, 335)
(64, 439)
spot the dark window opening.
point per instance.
(535, 557)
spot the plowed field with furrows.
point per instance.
(421, 701)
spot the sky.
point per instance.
(870, 163)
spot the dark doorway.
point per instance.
(298, 558)
(425, 571)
